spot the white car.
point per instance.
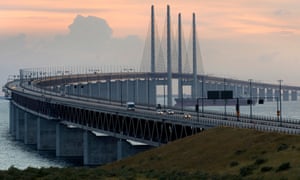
(159, 112)
(187, 116)
(169, 111)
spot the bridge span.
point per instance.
(84, 115)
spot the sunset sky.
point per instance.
(244, 39)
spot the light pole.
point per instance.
(202, 93)
(225, 100)
(280, 104)
(121, 93)
(164, 94)
(197, 108)
(148, 93)
(250, 81)
(109, 86)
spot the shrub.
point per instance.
(266, 169)
(238, 152)
(282, 147)
(283, 167)
(247, 170)
(234, 163)
(260, 161)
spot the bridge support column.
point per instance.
(262, 93)
(46, 134)
(84, 89)
(276, 94)
(12, 119)
(103, 91)
(69, 141)
(126, 149)
(98, 149)
(142, 92)
(254, 94)
(20, 124)
(30, 134)
(285, 95)
(239, 91)
(270, 94)
(152, 92)
(92, 89)
(294, 95)
(114, 90)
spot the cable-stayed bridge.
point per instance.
(81, 111)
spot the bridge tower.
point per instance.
(152, 40)
(180, 88)
(169, 57)
(195, 80)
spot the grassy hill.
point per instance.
(219, 153)
(224, 152)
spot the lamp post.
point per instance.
(121, 88)
(109, 86)
(148, 93)
(250, 81)
(202, 93)
(280, 104)
(225, 100)
(164, 94)
(278, 112)
(197, 108)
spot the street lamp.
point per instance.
(280, 105)
(225, 100)
(250, 81)
(121, 93)
(164, 94)
(202, 93)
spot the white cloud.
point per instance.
(89, 42)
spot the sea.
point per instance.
(15, 154)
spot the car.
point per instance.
(130, 106)
(187, 116)
(170, 111)
(159, 112)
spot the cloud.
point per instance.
(52, 10)
(88, 42)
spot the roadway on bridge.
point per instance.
(204, 119)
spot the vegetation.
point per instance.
(219, 153)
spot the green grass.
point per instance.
(224, 151)
(219, 153)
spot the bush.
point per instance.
(282, 147)
(283, 167)
(266, 169)
(234, 163)
(260, 161)
(247, 170)
(238, 152)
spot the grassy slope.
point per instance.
(215, 150)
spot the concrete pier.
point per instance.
(46, 134)
(12, 119)
(30, 129)
(69, 141)
(294, 95)
(98, 149)
(19, 124)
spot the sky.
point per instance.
(242, 39)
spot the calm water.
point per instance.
(15, 153)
